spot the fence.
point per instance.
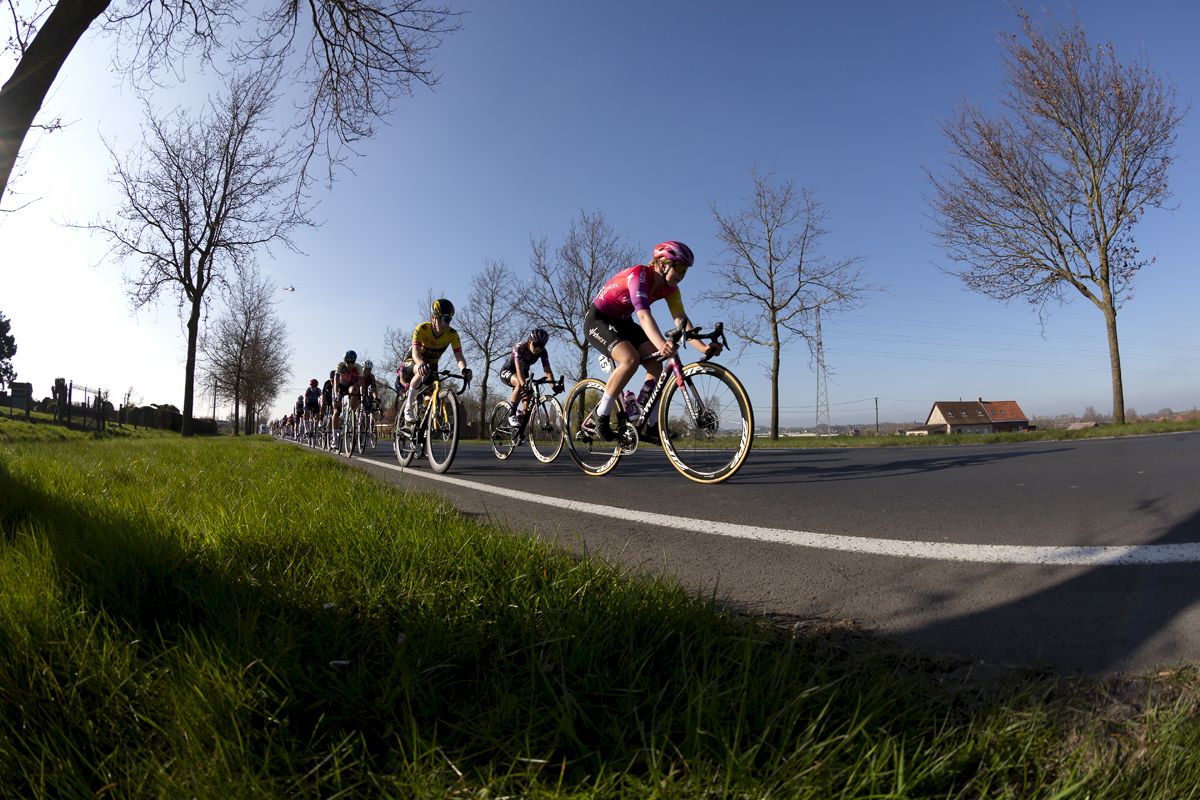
(85, 408)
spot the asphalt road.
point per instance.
(901, 540)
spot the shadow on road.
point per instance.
(784, 467)
(1102, 620)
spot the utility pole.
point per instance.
(876, 416)
(822, 385)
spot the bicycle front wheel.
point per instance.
(546, 429)
(504, 440)
(590, 453)
(707, 426)
(441, 442)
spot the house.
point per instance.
(979, 416)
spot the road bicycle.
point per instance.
(705, 420)
(367, 438)
(543, 426)
(435, 431)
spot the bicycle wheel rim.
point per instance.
(595, 457)
(546, 430)
(716, 448)
(441, 442)
(403, 445)
(502, 440)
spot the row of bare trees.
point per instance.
(246, 355)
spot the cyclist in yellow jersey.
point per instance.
(430, 340)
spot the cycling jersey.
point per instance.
(367, 382)
(327, 391)
(312, 395)
(627, 292)
(347, 376)
(522, 354)
(432, 346)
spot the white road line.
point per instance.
(944, 551)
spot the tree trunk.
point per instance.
(193, 328)
(775, 348)
(1114, 355)
(237, 419)
(484, 433)
(583, 354)
(22, 95)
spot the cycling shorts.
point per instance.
(313, 407)
(606, 332)
(410, 369)
(508, 370)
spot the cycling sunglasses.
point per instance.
(444, 318)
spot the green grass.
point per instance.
(943, 440)
(235, 618)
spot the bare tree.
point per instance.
(354, 57)
(775, 278)
(1042, 198)
(199, 198)
(246, 352)
(566, 283)
(489, 324)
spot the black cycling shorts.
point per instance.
(606, 332)
(410, 369)
(507, 371)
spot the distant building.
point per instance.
(979, 416)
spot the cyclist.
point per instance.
(327, 395)
(312, 403)
(430, 340)
(515, 370)
(367, 386)
(345, 382)
(621, 325)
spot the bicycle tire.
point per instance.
(369, 427)
(503, 440)
(441, 437)
(545, 427)
(404, 439)
(714, 447)
(348, 436)
(590, 454)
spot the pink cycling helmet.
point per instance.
(675, 251)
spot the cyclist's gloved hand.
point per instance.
(425, 369)
(466, 373)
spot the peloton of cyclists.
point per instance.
(515, 371)
(430, 340)
(620, 324)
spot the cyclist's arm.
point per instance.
(646, 320)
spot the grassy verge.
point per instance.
(229, 617)
(943, 440)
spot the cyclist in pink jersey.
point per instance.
(620, 325)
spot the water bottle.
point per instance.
(631, 406)
(644, 394)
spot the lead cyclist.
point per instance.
(610, 325)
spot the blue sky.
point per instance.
(648, 112)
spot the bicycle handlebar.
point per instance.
(448, 374)
(717, 334)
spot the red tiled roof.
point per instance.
(1004, 411)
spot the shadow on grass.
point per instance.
(630, 680)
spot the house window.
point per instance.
(949, 413)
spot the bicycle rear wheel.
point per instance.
(588, 451)
(348, 432)
(503, 438)
(369, 423)
(546, 429)
(709, 441)
(441, 441)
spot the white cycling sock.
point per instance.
(412, 394)
(605, 405)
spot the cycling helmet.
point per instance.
(675, 251)
(368, 365)
(313, 382)
(442, 308)
(350, 356)
(539, 336)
